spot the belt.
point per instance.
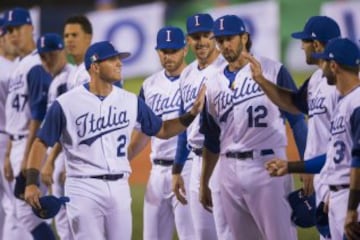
(107, 177)
(197, 151)
(3, 132)
(248, 154)
(16, 137)
(336, 188)
(163, 162)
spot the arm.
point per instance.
(280, 96)
(8, 171)
(137, 143)
(48, 169)
(38, 81)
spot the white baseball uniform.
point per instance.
(26, 100)
(246, 129)
(57, 87)
(162, 211)
(95, 132)
(342, 149)
(10, 228)
(205, 227)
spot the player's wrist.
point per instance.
(32, 176)
(187, 118)
(296, 167)
(177, 168)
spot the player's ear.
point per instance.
(318, 46)
(244, 38)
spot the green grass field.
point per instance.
(133, 85)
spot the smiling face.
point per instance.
(202, 44)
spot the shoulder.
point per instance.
(153, 79)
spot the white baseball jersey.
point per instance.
(344, 139)
(78, 76)
(248, 120)
(27, 97)
(58, 85)
(5, 69)
(191, 81)
(95, 131)
(162, 94)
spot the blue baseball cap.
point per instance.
(303, 208)
(341, 50)
(201, 22)
(170, 38)
(322, 221)
(49, 42)
(228, 25)
(50, 206)
(320, 28)
(101, 51)
(17, 17)
(2, 28)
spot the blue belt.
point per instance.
(197, 151)
(248, 154)
(16, 137)
(336, 188)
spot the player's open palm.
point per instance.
(47, 173)
(32, 195)
(178, 188)
(352, 227)
(199, 101)
(277, 167)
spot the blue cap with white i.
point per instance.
(49, 42)
(201, 22)
(228, 25)
(17, 17)
(170, 38)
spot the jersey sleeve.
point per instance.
(355, 134)
(182, 151)
(149, 122)
(38, 82)
(211, 131)
(296, 121)
(53, 125)
(299, 98)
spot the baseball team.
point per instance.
(216, 127)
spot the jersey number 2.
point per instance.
(256, 115)
(19, 102)
(121, 147)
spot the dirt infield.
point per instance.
(141, 164)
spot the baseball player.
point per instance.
(50, 47)
(208, 60)
(9, 227)
(315, 98)
(339, 164)
(161, 93)
(25, 108)
(243, 128)
(93, 123)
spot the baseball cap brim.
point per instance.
(170, 46)
(301, 35)
(15, 24)
(227, 33)
(199, 29)
(122, 55)
(320, 56)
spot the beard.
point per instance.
(232, 56)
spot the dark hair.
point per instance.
(351, 69)
(248, 43)
(82, 21)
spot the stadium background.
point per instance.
(292, 16)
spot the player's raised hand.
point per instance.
(205, 197)
(199, 101)
(277, 167)
(352, 226)
(255, 66)
(32, 195)
(46, 174)
(178, 188)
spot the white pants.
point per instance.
(162, 211)
(61, 220)
(99, 209)
(255, 204)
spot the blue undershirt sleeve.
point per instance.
(355, 135)
(299, 98)
(211, 131)
(150, 123)
(38, 84)
(53, 125)
(314, 165)
(182, 151)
